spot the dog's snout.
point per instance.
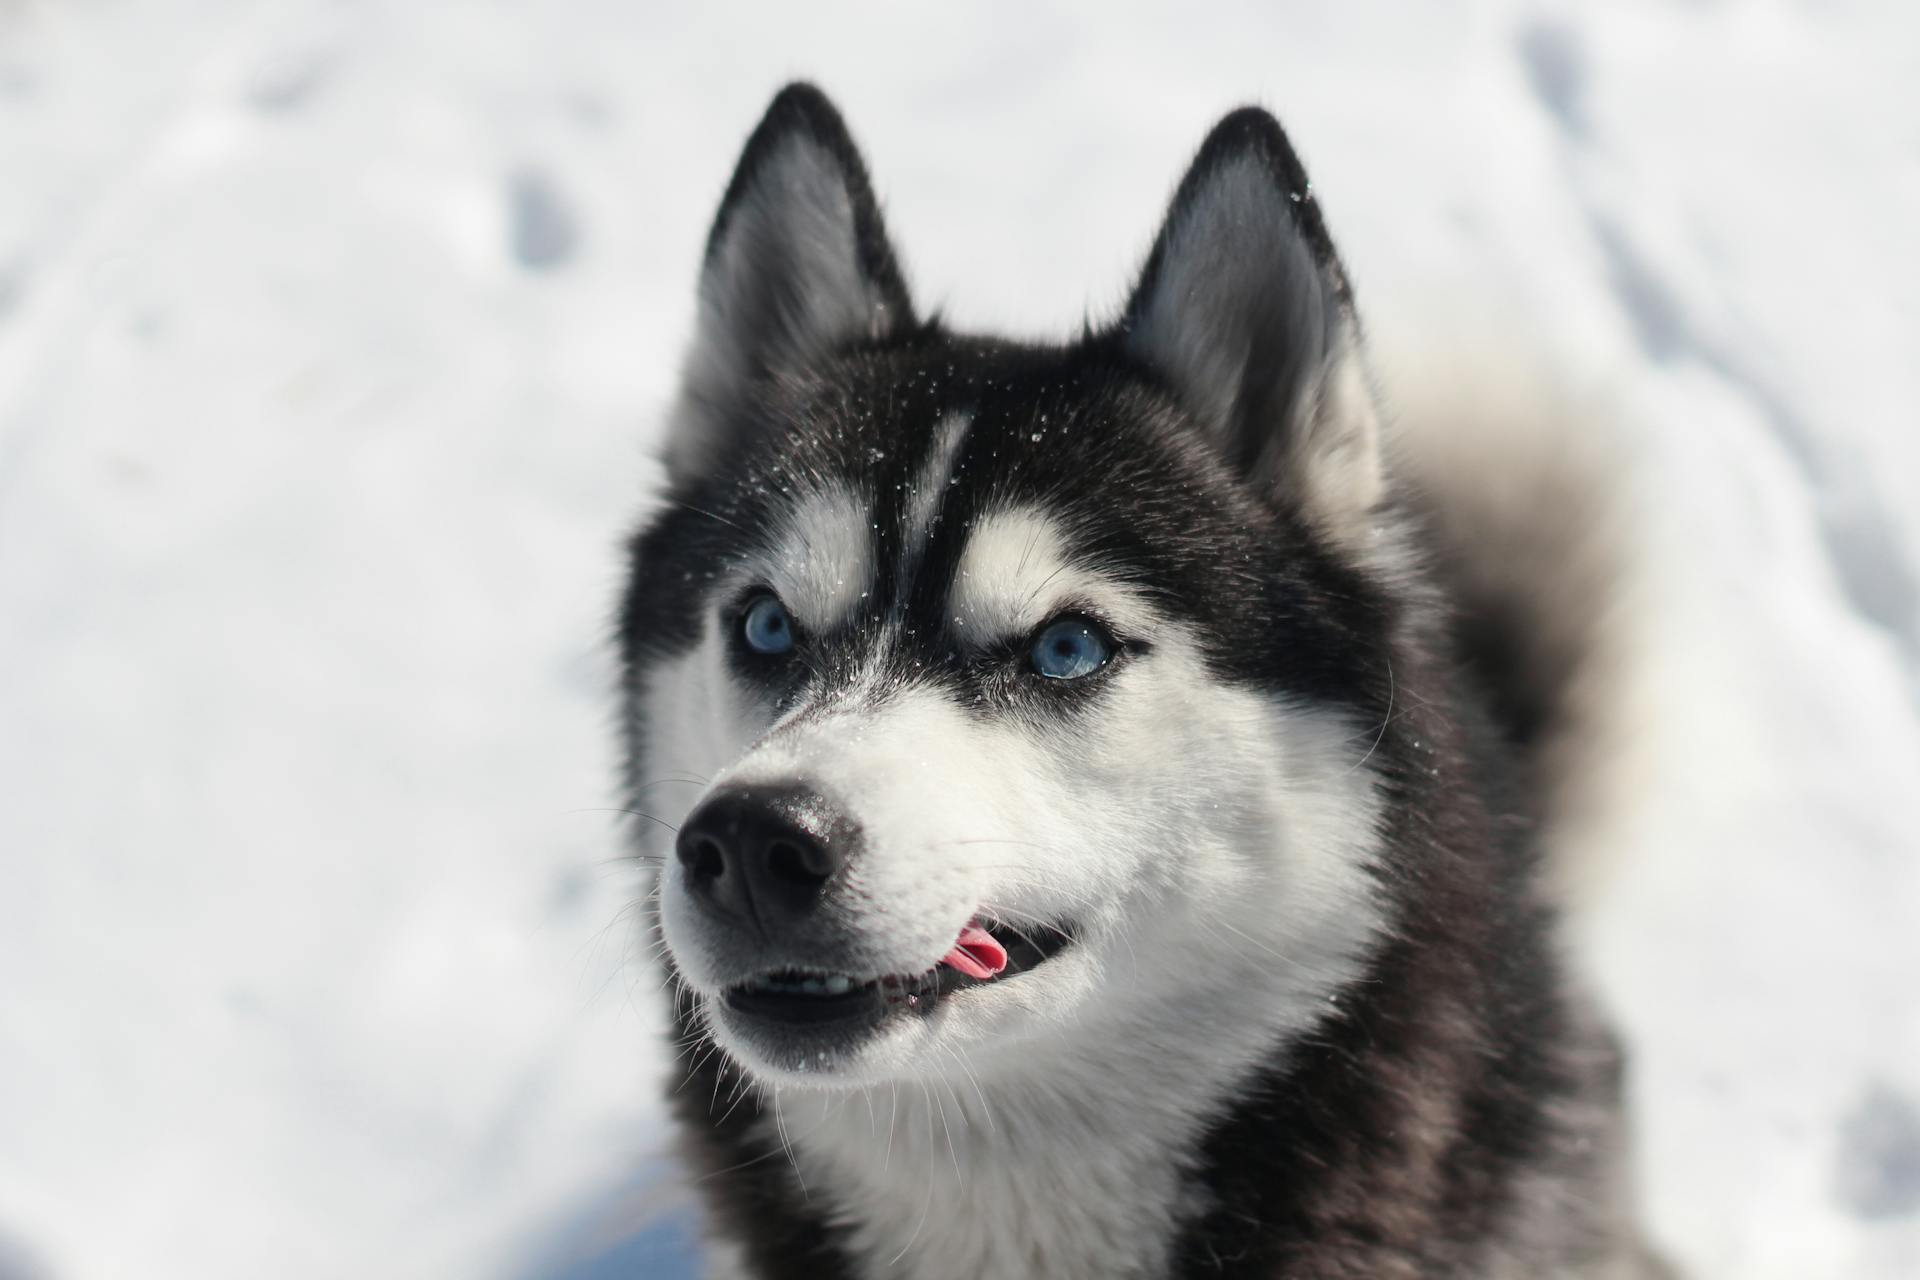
(764, 854)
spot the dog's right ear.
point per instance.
(1244, 311)
(797, 265)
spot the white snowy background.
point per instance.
(333, 337)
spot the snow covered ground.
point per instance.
(332, 339)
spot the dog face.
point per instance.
(1007, 696)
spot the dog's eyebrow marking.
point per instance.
(927, 496)
(820, 560)
(1014, 573)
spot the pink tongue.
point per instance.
(976, 954)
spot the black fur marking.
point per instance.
(1389, 1144)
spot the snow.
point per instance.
(332, 339)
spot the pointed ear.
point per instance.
(1244, 310)
(797, 265)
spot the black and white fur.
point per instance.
(1310, 1020)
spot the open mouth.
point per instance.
(984, 953)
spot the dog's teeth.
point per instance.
(805, 984)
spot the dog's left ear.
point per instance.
(1245, 311)
(798, 266)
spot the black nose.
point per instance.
(764, 853)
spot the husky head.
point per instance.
(991, 702)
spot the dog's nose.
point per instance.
(764, 853)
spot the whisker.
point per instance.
(985, 1110)
(1078, 897)
(702, 511)
(748, 1163)
(928, 1204)
(946, 1128)
(786, 1143)
(686, 779)
(632, 813)
(740, 1092)
(1033, 921)
(1252, 941)
(893, 1116)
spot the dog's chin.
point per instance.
(827, 1029)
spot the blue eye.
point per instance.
(1071, 647)
(767, 628)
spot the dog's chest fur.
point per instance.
(1019, 1186)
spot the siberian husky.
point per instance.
(1096, 793)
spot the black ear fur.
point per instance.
(1244, 309)
(797, 265)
